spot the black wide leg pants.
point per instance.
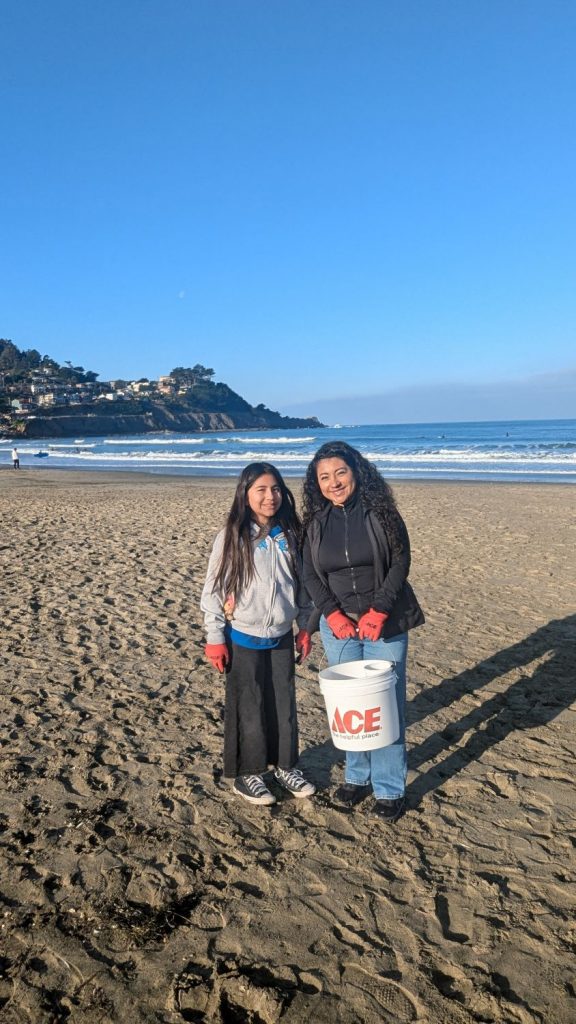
(260, 724)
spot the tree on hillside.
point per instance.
(69, 373)
(191, 375)
(30, 359)
(75, 374)
(18, 364)
(203, 373)
(9, 355)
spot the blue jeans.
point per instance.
(385, 768)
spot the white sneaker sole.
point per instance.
(263, 801)
(301, 794)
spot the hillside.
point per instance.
(39, 398)
(151, 415)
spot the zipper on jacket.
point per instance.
(274, 581)
(346, 552)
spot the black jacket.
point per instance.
(391, 563)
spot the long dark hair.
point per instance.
(236, 568)
(373, 489)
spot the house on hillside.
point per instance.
(142, 387)
(166, 385)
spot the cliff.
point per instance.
(151, 415)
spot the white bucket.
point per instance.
(360, 698)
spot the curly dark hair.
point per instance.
(374, 491)
(236, 567)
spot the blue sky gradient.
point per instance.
(321, 200)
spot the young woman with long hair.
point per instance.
(252, 596)
(356, 563)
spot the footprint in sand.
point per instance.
(208, 917)
(379, 998)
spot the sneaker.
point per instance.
(351, 795)
(253, 789)
(293, 780)
(390, 810)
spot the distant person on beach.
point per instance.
(356, 562)
(251, 598)
(15, 458)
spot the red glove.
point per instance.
(370, 625)
(217, 655)
(342, 627)
(303, 645)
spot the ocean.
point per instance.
(537, 451)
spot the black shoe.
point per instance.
(253, 789)
(390, 810)
(293, 780)
(351, 795)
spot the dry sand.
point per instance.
(134, 887)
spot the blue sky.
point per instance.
(325, 201)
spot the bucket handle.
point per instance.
(324, 660)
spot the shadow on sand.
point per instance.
(533, 700)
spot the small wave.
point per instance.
(471, 456)
(155, 440)
(72, 447)
(104, 457)
(507, 471)
(265, 440)
(440, 458)
(182, 458)
(241, 457)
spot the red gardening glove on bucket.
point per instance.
(370, 625)
(342, 627)
(303, 645)
(217, 655)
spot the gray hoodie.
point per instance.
(269, 604)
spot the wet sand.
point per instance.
(135, 887)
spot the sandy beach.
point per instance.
(134, 887)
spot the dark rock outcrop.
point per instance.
(150, 416)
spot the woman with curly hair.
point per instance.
(251, 599)
(356, 562)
